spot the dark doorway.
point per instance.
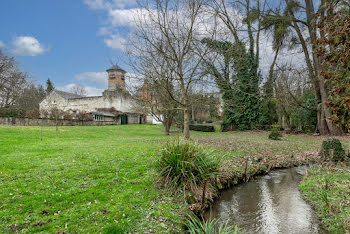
(140, 119)
(124, 119)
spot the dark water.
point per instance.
(268, 204)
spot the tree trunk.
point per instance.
(167, 125)
(326, 112)
(326, 126)
(56, 125)
(186, 123)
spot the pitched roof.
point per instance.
(67, 95)
(116, 68)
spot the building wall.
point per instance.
(15, 121)
(121, 101)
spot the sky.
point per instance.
(68, 41)
(75, 41)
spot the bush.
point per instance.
(33, 113)
(183, 163)
(332, 150)
(11, 112)
(202, 128)
(275, 133)
(210, 226)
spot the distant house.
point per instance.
(116, 103)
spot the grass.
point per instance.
(328, 190)
(185, 164)
(102, 178)
(82, 179)
(210, 226)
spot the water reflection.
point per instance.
(269, 204)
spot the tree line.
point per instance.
(180, 47)
(20, 96)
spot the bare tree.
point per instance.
(155, 97)
(12, 81)
(78, 90)
(167, 35)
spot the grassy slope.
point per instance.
(86, 178)
(102, 178)
(328, 190)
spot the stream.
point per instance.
(268, 204)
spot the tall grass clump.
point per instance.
(210, 226)
(185, 163)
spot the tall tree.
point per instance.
(302, 14)
(334, 49)
(167, 31)
(49, 86)
(235, 63)
(12, 81)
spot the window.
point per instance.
(99, 118)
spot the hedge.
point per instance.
(202, 128)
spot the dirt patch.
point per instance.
(45, 212)
(39, 224)
(16, 228)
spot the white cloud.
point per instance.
(96, 77)
(91, 91)
(116, 42)
(2, 44)
(104, 31)
(27, 46)
(105, 4)
(97, 4)
(124, 17)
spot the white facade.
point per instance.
(120, 101)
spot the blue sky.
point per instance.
(73, 41)
(68, 41)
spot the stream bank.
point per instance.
(268, 204)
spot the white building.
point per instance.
(115, 104)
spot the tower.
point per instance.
(116, 77)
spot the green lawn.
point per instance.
(81, 179)
(89, 179)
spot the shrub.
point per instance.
(275, 133)
(33, 113)
(210, 226)
(183, 163)
(332, 150)
(202, 128)
(11, 112)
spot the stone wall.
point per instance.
(14, 121)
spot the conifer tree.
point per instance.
(49, 86)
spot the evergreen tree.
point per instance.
(240, 88)
(49, 86)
